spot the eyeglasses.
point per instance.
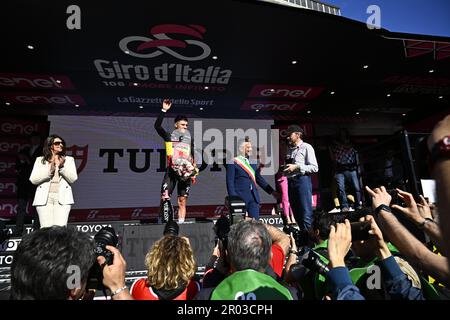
(57, 143)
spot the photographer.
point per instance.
(114, 275)
(280, 248)
(248, 254)
(53, 264)
(219, 266)
(409, 246)
(333, 245)
(400, 280)
(307, 278)
(420, 215)
(396, 280)
(170, 271)
(292, 259)
(301, 162)
(339, 243)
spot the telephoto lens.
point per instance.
(315, 264)
(105, 237)
(171, 228)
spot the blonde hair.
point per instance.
(170, 263)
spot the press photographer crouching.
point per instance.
(303, 267)
(53, 264)
(220, 266)
(249, 244)
(280, 247)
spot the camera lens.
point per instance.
(171, 228)
(107, 236)
(314, 263)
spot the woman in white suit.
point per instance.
(53, 173)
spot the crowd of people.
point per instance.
(341, 256)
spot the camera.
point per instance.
(313, 262)
(360, 230)
(288, 160)
(105, 237)
(171, 228)
(236, 213)
(221, 229)
(301, 237)
(236, 208)
(395, 198)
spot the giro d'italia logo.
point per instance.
(159, 43)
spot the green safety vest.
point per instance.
(250, 285)
(321, 287)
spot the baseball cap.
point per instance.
(294, 128)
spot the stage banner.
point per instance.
(121, 160)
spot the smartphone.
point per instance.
(360, 230)
(395, 198)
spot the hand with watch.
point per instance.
(418, 213)
(381, 199)
(293, 248)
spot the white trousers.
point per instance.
(53, 213)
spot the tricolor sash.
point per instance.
(244, 164)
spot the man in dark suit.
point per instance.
(242, 178)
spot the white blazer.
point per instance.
(41, 177)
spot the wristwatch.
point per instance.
(422, 224)
(382, 207)
(440, 150)
(116, 292)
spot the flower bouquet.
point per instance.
(184, 169)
